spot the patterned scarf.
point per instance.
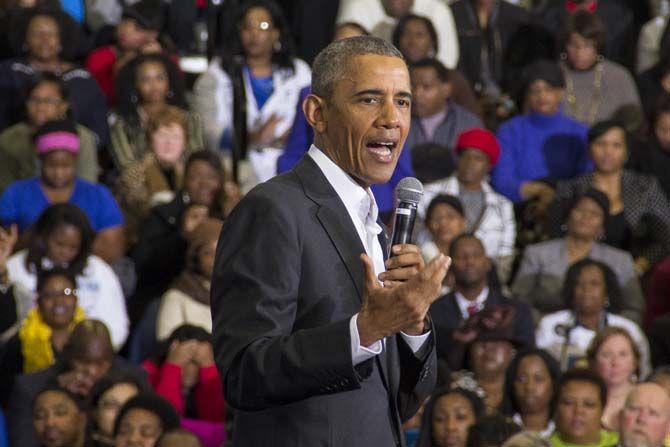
(35, 337)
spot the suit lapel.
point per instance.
(335, 219)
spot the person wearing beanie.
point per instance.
(187, 300)
(436, 117)
(489, 215)
(57, 145)
(137, 33)
(543, 145)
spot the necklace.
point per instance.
(571, 98)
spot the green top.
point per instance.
(607, 439)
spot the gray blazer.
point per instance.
(287, 280)
(540, 277)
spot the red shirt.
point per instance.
(100, 63)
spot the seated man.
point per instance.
(645, 418)
(87, 357)
(470, 295)
(542, 146)
(436, 118)
(489, 215)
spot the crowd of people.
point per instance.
(130, 129)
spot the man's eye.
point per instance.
(370, 100)
(403, 102)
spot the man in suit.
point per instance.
(312, 349)
(471, 294)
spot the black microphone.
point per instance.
(408, 192)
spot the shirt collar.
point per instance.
(548, 430)
(464, 303)
(357, 200)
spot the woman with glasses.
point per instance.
(259, 56)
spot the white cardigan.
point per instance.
(99, 293)
(213, 100)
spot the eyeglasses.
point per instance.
(57, 294)
(251, 26)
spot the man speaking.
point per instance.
(319, 340)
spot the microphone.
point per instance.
(408, 192)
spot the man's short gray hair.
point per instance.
(332, 63)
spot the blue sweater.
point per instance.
(301, 137)
(538, 147)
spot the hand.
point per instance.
(8, 240)
(403, 307)
(406, 262)
(541, 190)
(76, 382)
(265, 136)
(204, 354)
(641, 266)
(181, 352)
(193, 216)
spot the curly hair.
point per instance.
(612, 288)
(128, 98)
(232, 47)
(68, 30)
(402, 24)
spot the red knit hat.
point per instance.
(480, 139)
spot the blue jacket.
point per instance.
(301, 137)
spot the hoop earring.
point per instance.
(133, 98)
(170, 94)
(277, 46)
(564, 56)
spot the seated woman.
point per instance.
(44, 332)
(46, 40)
(147, 85)
(47, 99)
(445, 219)
(416, 38)
(615, 356)
(259, 61)
(62, 237)
(160, 254)
(59, 418)
(530, 388)
(23, 201)
(187, 301)
(581, 400)
(449, 414)
(185, 374)
(540, 276)
(592, 296)
(106, 398)
(639, 212)
(145, 416)
(596, 88)
(155, 178)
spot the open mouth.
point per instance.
(382, 150)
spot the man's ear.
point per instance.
(313, 107)
(447, 89)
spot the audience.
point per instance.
(616, 357)
(581, 400)
(449, 414)
(639, 212)
(543, 145)
(59, 418)
(107, 397)
(596, 88)
(592, 298)
(62, 238)
(542, 270)
(142, 420)
(187, 301)
(47, 42)
(47, 99)
(489, 215)
(598, 238)
(146, 86)
(645, 418)
(530, 387)
(436, 118)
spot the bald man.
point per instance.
(645, 419)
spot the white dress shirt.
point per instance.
(464, 303)
(362, 208)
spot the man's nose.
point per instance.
(389, 116)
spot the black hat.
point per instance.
(544, 70)
(147, 13)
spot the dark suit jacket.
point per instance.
(27, 386)
(287, 280)
(447, 317)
